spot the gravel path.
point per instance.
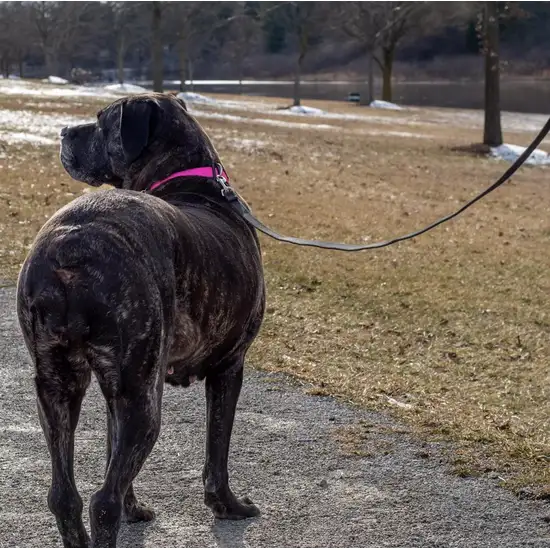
(285, 455)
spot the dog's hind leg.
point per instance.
(135, 426)
(133, 510)
(60, 387)
(222, 393)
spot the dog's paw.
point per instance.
(231, 507)
(138, 512)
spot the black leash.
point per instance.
(238, 204)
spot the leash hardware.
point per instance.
(226, 190)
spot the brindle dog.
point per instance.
(139, 288)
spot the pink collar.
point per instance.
(205, 171)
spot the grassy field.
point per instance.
(449, 332)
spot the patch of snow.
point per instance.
(267, 121)
(379, 104)
(28, 88)
(400, 404)
(300, 125)
(55, 80)
(34, 127)
(511, 153)
(193, 97)
(246, 144)
(22, 137)
(470, 118)
(396, 134)
(271, 108)
(304, 110)
(125, 88)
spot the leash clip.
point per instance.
(226, 190)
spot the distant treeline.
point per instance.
(115, 40)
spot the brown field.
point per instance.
(449, 332)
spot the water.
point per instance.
(525, 96)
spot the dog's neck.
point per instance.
(143, 174)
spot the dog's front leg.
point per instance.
(222, 394)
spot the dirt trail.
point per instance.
(285, 456)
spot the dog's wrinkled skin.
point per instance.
(139, 288)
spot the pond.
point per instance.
(527, 96)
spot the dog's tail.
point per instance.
(55, 285)
(59, 308)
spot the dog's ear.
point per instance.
(135, 126)
(182, 102)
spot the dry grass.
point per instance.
(449, 331)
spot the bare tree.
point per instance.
(304, 20)
(61, 28)
(157, 54)
(380, 27)
(129, 27)
(492, 131)
(492, 13)
(244, 34)
(362, 22)
(15, 36)
(189, 24)
(396, 20)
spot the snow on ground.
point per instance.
(32, 127)
(193, 97)
(214, 108)
(56, 80)
(310, 125)
(511, 153)
(267, 121)
(379, 104)
(396, 133)
(245, 144)
(22, 137)
(304, 110)
(411, 119)
(125, 88)
(29, 88)
(474, 119)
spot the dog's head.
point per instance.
(135, 140)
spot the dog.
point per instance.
(140, 288)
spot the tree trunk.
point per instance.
(492, 132)
(368, 97)
(52, 62)
(240, 68)
(387, 69)
(156, 46)
(120, 59)
(20, 64)
(298, 79)
(5, 67)
(190, 69)
(182, 62)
